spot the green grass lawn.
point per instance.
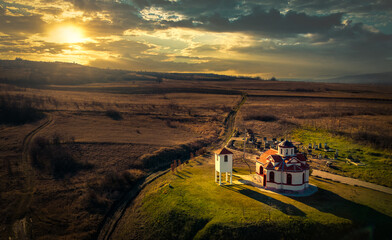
(378, 163)
(190, 204)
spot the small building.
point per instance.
(223, 164)
(283, 169)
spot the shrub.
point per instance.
(112, 187)
(113, 114)
(95, 203)
(261, 117)
(17, 111)
(53, 158)
(170, 124)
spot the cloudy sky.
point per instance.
(286, 39)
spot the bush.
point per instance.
(113, 114)
(95, 203)
(112, 187)
(53, 158)
(260, 117)
(17, 111)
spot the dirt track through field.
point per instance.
(27, 197)
(114, 216)
(351, 181)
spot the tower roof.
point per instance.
(223, 151)
(286, 144)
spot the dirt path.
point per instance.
(351, 181)
(20, 226)
(114, 216)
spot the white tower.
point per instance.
(224, 164)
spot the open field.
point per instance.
(119, 132)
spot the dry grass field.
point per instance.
(110, 133)
(104, 146)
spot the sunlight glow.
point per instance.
(67, 34)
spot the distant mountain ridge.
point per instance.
(32, 73)
(370, 78)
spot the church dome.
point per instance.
(286, 144)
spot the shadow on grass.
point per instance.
(187, 172)
(272, 202)
(367, 222)
(181, 175)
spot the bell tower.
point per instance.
(223, 164)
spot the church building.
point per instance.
(283, 169)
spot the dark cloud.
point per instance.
(347, 5)
(50, 10)
(2, 11)
(21, 24)
(86, 5)
(269, 23)
(122, 17)
(20, 47)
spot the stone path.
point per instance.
(351, 181)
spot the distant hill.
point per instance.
(371, 78)
(31, 73)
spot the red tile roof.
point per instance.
(271, 155)
(279, 166)
(277, 158)
(301, 157)
(223, 151)
(269, 166)
(263, 157)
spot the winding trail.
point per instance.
(351, 181)
(114, 215)
(24, 204)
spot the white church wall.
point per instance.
(294, 187)
(296, 178)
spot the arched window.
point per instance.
(303, 177)
(272, 177)
(286, 152)
(289, 179)
(281, 151)
(226, 158)
(261, 170)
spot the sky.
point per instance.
(296, 39)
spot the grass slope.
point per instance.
(378, 163)
(190, 205)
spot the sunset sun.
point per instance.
(67, 34)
